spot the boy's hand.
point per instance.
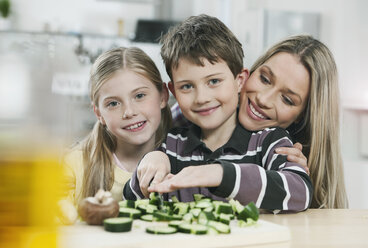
(152, 170)
(193, 176)
(295, 154)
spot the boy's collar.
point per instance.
(194, 134)
(239, 139)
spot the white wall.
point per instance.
(91, 16)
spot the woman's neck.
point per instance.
(129, 155)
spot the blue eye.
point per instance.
(214, 81)
(140, 95)
(186, 87)
(112, 104)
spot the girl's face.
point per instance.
(130, 107)
(275, 94)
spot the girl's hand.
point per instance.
(193, 176)
(152, 169)
(295, 154)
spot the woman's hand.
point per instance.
(152, 169)
(193, 176)
(294, 154)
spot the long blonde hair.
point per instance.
(100, 143)
(318, 129)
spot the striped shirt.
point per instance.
(252, 170)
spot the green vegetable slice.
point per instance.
(249, 211)
(192, 228)
(119, 224)
(130, 212)
(175, 223)
(224, 208)
(220, 227)
(148, 217)
(161, 229)
(204, 217)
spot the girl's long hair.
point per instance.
(99, 145)
(318, 130)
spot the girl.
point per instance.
(310, 113)
(130, 102)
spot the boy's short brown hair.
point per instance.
(201, 37)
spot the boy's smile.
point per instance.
(207, 95)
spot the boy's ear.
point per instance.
(98, 115)
(164, 96)
(241, 78)
(171, 88)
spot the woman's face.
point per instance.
(275, 94)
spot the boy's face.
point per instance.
(207, 95)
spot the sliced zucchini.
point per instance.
(236, 205)
(209, 209)
(174, 199)
(195, 212)
(175, 223)
(192, 228)
(188, 217)
(155, 199)
(224, 208)
(130, 212)
(225, 218)
(161, 229)
(162, 216)
(141, 202)
(204, 217)
(147, 209)
(148, 217)
(220, 227)
(119, 224)
(203, 204)
(212, 231)
(181, 208)
(249, 211)
(197, 197)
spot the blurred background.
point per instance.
(47, 47)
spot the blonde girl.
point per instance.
(130, 102)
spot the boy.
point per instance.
(204, 61)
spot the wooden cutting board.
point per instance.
(82, 235)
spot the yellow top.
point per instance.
(74, 169)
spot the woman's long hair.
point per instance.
(318, 129)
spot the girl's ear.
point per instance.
(98, 115)
(241, 78)
(171, 88)
(164, 96)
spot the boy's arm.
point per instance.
(275, 185)
(153, 167)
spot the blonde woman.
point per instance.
(317, 125)
(130, 102)
(293, 85)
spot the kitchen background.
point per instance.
(46, 49)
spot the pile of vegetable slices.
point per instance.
(201, 216)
